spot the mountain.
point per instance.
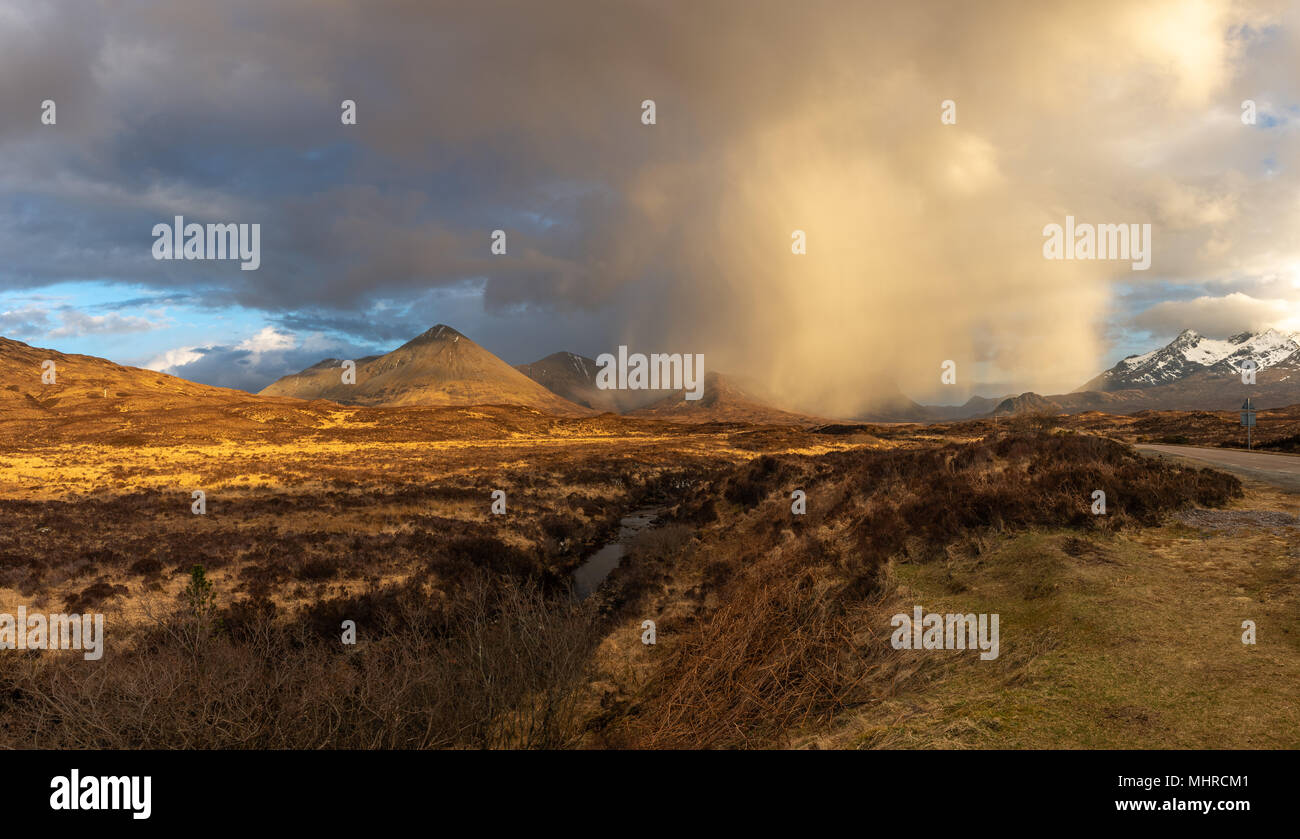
(439, 367)
(573, 377)
(1191, 353)
(725, 399)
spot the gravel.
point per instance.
(1238, 520)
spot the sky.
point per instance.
(924, 236)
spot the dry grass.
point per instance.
(771, 627)
(789, 637)
(498, 666)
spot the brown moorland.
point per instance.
(224, 629)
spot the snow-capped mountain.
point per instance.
(1191, 353)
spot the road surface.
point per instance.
(1279, 470)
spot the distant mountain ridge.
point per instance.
(443, 367)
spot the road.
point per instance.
(1279, 470)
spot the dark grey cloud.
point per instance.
(924, 239)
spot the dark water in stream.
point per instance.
(588, 576)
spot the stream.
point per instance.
(588, 576)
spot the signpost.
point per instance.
(1247, 419)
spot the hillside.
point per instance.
(93, 398)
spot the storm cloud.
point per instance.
(924, 240)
